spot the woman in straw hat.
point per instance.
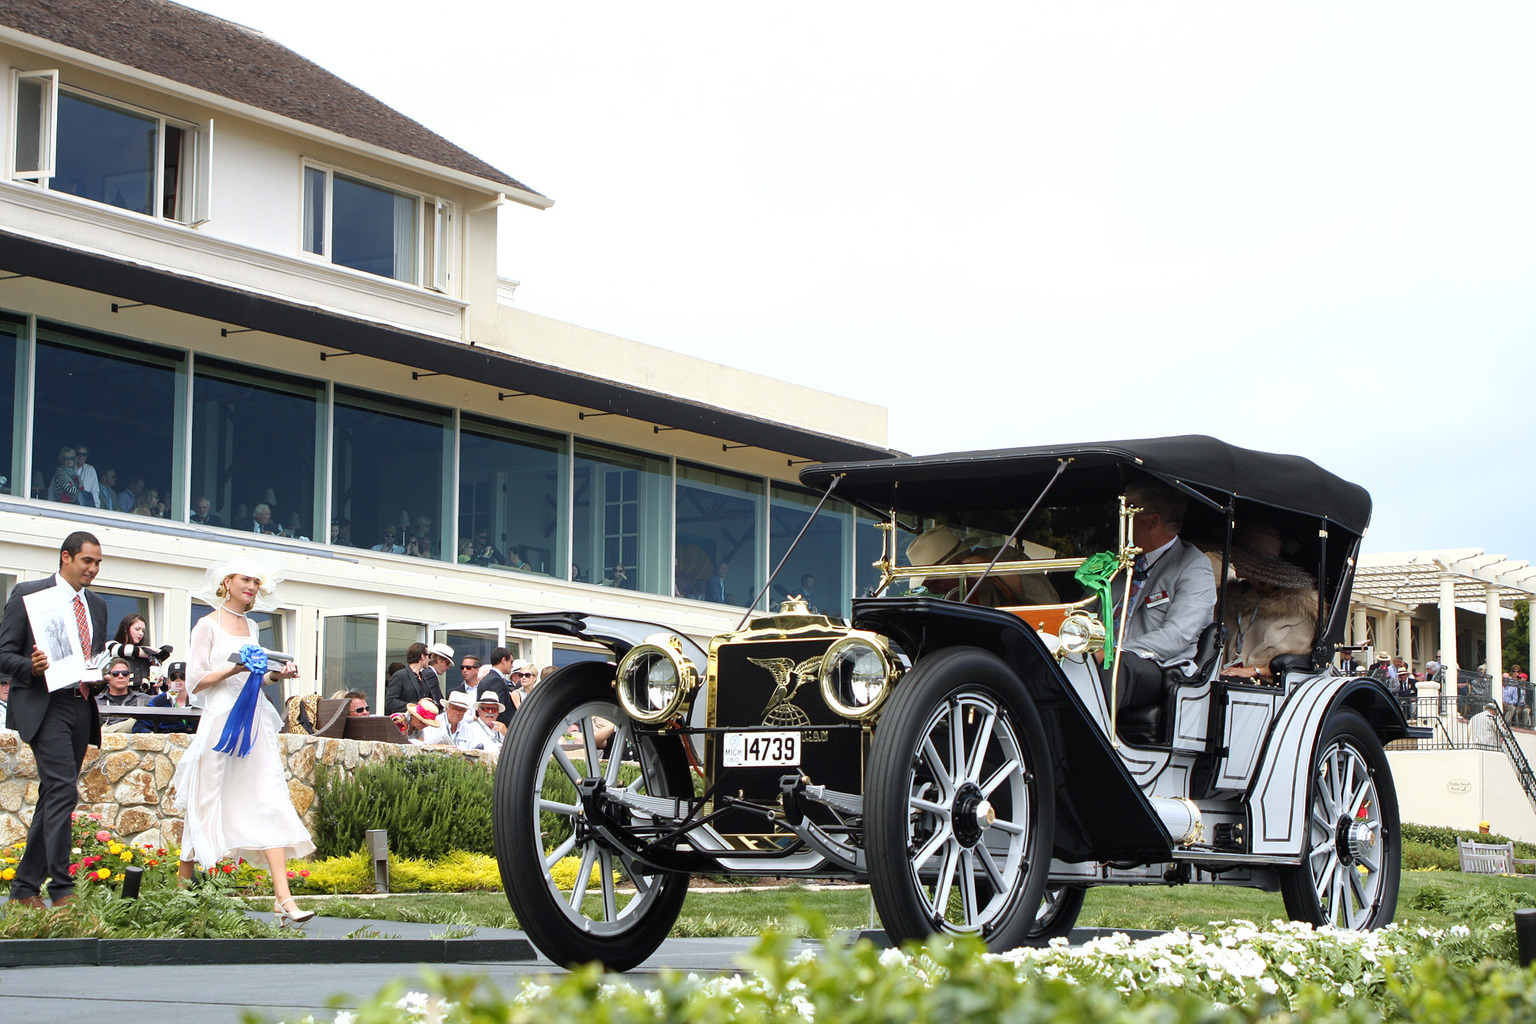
(1274, 612)
(230, 781)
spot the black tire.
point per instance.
(1058, 912)
(937, 864)
(1353, 853)
(566, 928)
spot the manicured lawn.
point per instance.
(1431, 898)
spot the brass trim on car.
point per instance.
(892, 672)
(671, 648)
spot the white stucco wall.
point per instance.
(1460, 788)
(253, 237)
(606, 355)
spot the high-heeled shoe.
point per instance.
(295, 917)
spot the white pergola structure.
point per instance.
(1398, 584)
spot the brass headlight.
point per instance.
(655, 680)
(1080, 634)
(857, 673)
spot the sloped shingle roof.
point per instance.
(239, 63)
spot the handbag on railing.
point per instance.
(315, 715)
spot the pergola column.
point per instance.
(1405, 637)
(1494, 633)
(1448, 633)
(1360, 629)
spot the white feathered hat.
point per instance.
(268, 571)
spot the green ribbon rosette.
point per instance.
(1095, 574)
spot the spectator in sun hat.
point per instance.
(487, 731)
(1274, 609)
(439, 661)
(419, 717)
(453, 725)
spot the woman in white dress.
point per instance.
(237, 805)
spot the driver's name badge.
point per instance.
(1159, 598)
(757, 749)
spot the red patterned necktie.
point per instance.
(85, 638)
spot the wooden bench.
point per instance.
(1490, 858)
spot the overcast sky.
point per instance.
(1305, 228)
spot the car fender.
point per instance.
(1277, 800)
(1101, 812)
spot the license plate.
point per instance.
(756, 749)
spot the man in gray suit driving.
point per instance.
(1172, 594)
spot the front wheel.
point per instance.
(555, 743)
(1353, 856)
(959, 818)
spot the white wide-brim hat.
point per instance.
(268, 571)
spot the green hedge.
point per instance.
(1445, 838)
(430, 804)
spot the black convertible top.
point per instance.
(1014, 477)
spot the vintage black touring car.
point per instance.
(962, 742)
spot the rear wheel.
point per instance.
(958, 812)
(1349, 877)
(535, 831)
(1058, 912)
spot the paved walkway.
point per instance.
(220, 994)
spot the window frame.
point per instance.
(194, 190)
(435, 223)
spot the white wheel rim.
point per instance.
(1346, 840)
(967, 886)
(611, 912)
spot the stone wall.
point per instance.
(128, 780)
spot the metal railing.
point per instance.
(1451, 730)
(1516, 758)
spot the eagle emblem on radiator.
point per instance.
(788, 677)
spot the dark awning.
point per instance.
(1013, 477)
(225, 304)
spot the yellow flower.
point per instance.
(127, 855)
(8, 874)
(117, 877)
(114, 848)
(104, 873)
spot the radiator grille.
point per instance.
(746, 677)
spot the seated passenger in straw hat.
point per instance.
(1274, 609)
(943, 545)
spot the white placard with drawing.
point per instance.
(51, 613)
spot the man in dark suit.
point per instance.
(412, 683)
(495, 680)
(58, 724)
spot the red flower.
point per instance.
(304, 873)
(229, 869)
(293, 874)
(72, 869)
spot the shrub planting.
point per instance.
(429, 804)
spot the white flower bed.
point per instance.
(1229, 964)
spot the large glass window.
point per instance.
(256, 439)
(12, 333)
(719, 546)
(817, 569)
(388, 464)
(118, 401)
(107, 152)
(621, 508)
(371, 227)
(511, 498)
